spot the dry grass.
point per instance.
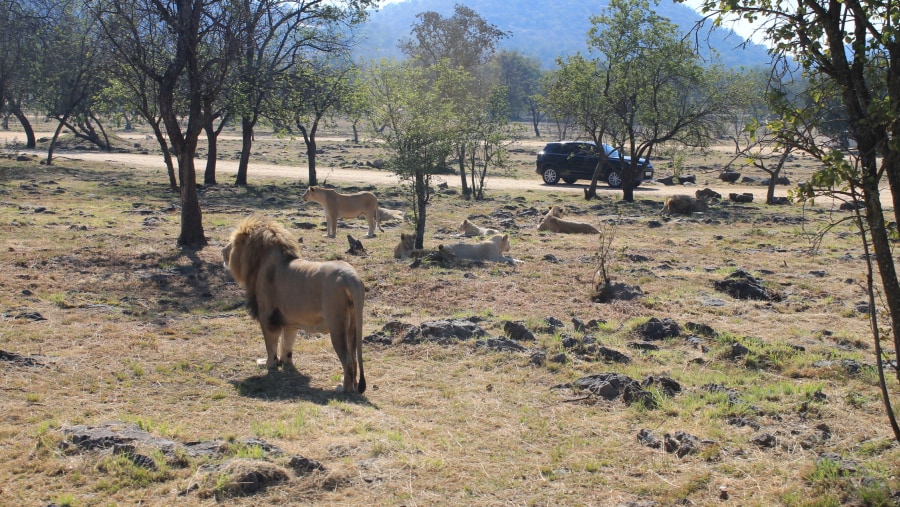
(139, 331)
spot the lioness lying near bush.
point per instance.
(491, 249)
(683, 205)
(554, 224)
(470, 230)
(555, 211)
(345, 206)
(389, 215)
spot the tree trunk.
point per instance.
(591, 191)
(421, 202)
(892, 163)
(628, 181)
(309, 141)
(53, 141)
(191, 217)
(167, 155)
(535, 118)
(461, 156)
(30, 140)
(247, 125)
(209, 176)
(311, 160)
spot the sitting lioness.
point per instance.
(407, 248)
(345, 206)
(554, 224)
(488, 250)
(469, 230)
(407, 244)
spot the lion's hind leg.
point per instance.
(347, 357)
(372, 218)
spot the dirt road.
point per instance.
(227, 169)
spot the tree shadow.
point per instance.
(290, 385)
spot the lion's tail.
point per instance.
(358, 301)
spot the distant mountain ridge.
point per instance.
(544, 29)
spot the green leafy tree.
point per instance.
(656, 88)
(521, 78)
(72, 73)
(186, 48)
(464, 41)
(420, 125)
(282, 34)
(20, 26)
(849, 50)
(312, 94)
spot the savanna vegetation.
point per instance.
(118, 309)
(105, 321)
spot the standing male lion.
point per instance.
(345, 206)
(286, 293)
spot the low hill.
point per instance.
(543, 29)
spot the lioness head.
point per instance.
(555, 211)
(309, 195)
(407, 244)
(503, 241)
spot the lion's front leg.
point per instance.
(271, 334)
(286, 347)
(330, 225)
(371, 220)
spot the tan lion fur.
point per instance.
(406, 245)
(389, 215)
(407, 248)
(555, 224)
(345, 206)
(286, 294)
(491, 249)
(555, 211)
(683, 205)
(470, 230)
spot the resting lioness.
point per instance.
(555, 211)
(469, 230)
(488, 250)
(683, 205)
(389, 215)
(554, 224)
(345, 206)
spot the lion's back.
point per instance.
(354, 205)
